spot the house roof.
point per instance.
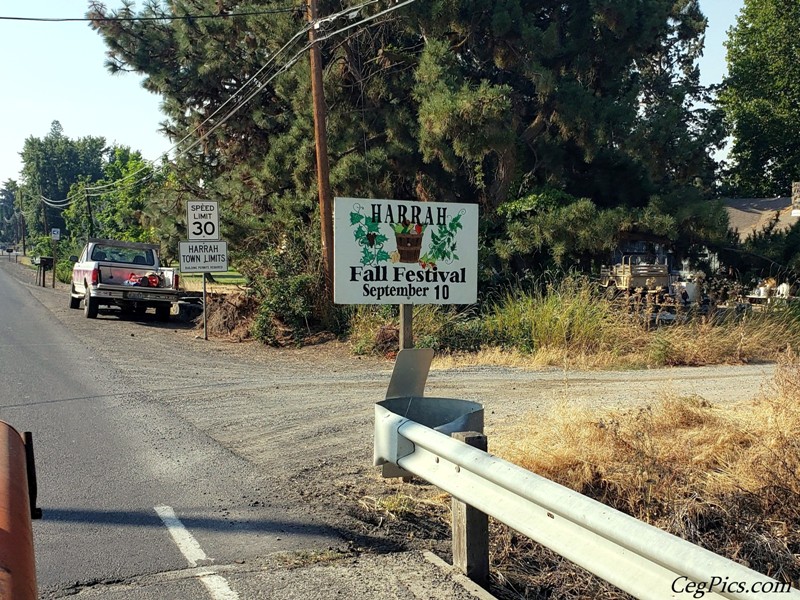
(748, 215)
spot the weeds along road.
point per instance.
(258, 450)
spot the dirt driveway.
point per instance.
(305, 416)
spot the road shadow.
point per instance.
(149, 519)
(146, 319)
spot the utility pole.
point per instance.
(321, 140)
(22, 231)
(44, 213)
(91, 217)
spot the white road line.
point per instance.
(183, 539)
(216, 585)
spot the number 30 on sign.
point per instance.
(202, 220)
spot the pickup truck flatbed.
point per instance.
(124, 274)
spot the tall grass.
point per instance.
(568, 316)
(752, 336)
(570, 323)
(727, 479)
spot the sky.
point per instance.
(55, 72)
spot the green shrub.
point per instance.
(569, 314)
(289, 283)
(64, 270)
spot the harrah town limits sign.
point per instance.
(398, 252)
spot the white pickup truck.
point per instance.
(125, 274)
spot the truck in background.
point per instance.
(639, 265)
(124, 274)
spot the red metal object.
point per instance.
(17, 563)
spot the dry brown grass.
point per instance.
(502, 358)
(727, 479)
(196, 285)
(757, 336)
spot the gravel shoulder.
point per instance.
(304, 416)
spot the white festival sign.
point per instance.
(405, 252)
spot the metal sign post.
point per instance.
(204, 257)
(205, 318)
(55, 236)
(406, 326)
(204, 252)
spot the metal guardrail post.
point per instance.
(17, 563)
(406, 402)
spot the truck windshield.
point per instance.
(134, 256)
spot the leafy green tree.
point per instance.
(10, 221)
(761, 98)
(50, 167)
(113, 207)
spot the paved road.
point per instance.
(107, 457)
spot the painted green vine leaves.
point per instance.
(442, 247)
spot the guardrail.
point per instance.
(17, 507)
(638, 558)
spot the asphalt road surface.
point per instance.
(137, 502)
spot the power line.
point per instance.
(60, 203)
(291, 62)
(286, 9)
(94, 189)
(350, 12)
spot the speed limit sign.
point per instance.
(202, 220)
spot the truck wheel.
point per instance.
(90, 306)
(162, 312)
(74, 301)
